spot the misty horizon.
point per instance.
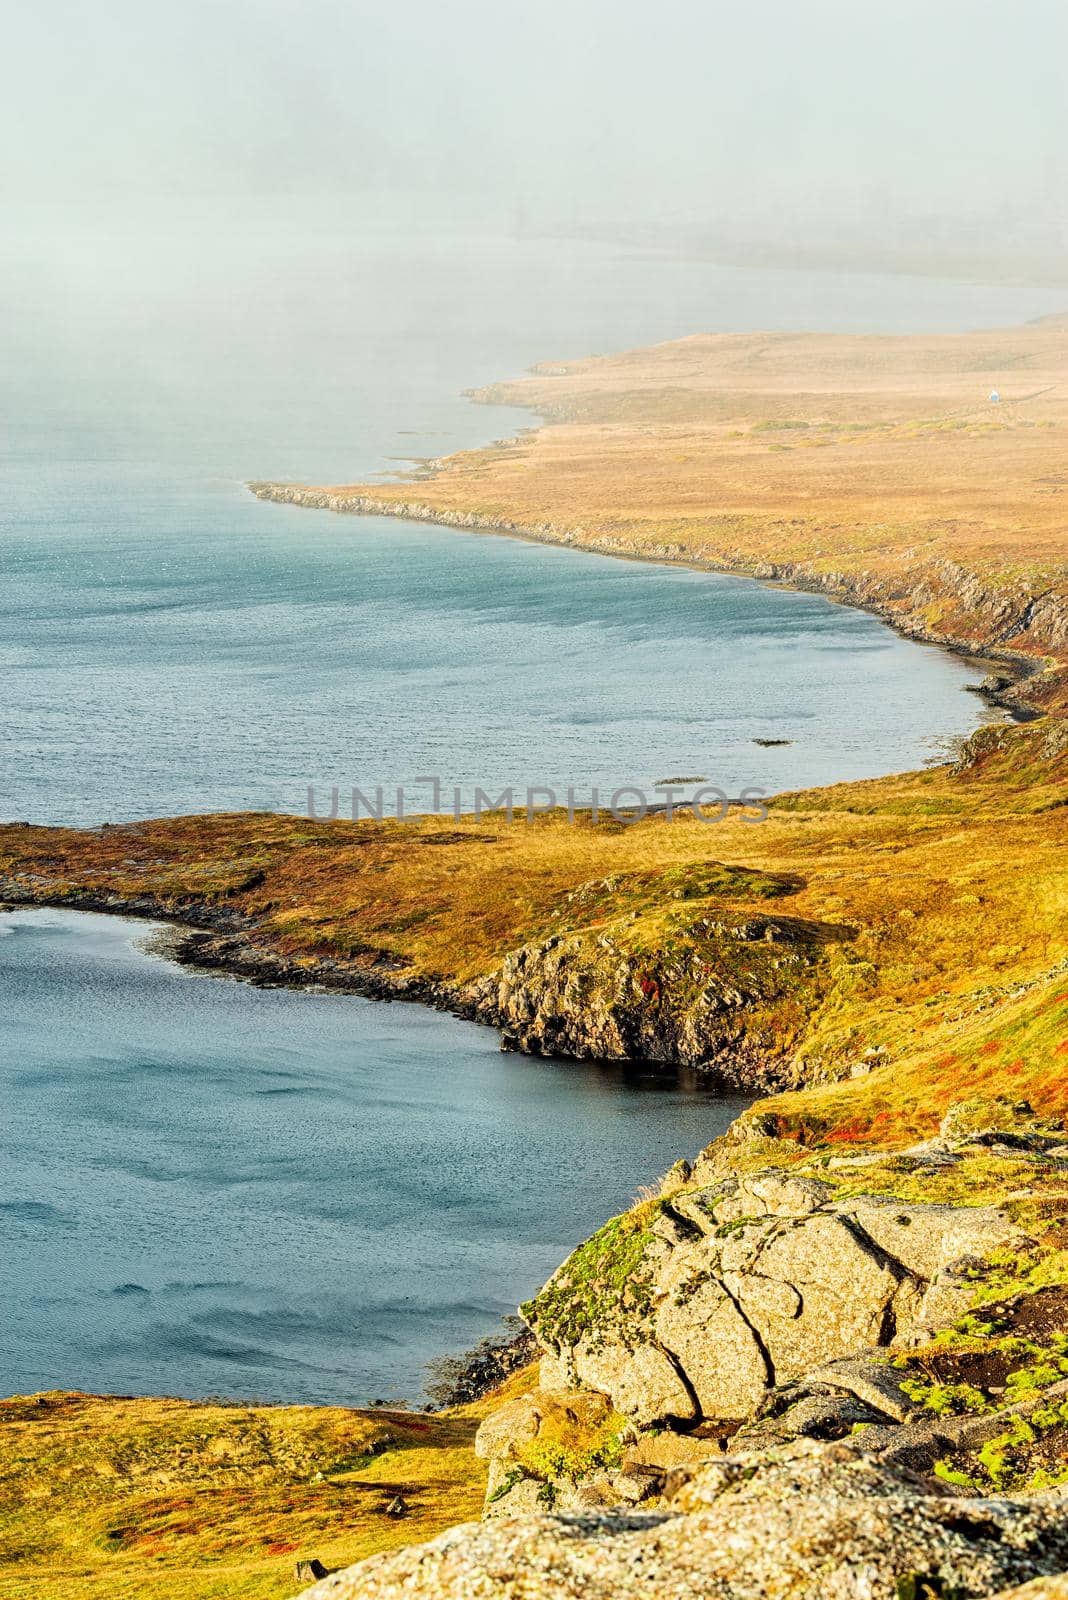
(692, 126)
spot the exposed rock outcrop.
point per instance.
(714, 1001)
(725, 1292)
(810, 1523)
(710, 1003)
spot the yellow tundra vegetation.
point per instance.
(103, 1498)
(941, 896)
(872, 466)
(935, 902)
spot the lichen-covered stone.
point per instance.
(643, 1381)
(717, 1348)
(727, 1290)
(814, 1522)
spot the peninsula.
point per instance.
(921, 477)
(829, 1355)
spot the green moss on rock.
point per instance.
(601, 1285)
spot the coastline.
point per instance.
(632, 413)
(1003, 692)
(891, 951)
(211, 941)
(875, 471)
(637, 945)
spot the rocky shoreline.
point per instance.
(478, 1372)
(901, 603)
(641, 948)
(221, 940)
(530, 1000)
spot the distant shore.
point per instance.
(919, 478)
(1003, 689)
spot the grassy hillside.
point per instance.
(917, 922)
(891, 948)
(104, 1498)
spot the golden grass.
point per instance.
(877, 461)
(103, 1498)
(911, 445)
(943, 896)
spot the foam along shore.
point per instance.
(874, 469)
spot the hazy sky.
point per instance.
(681, 109)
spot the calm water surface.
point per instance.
(214, 1189)
(168, 644)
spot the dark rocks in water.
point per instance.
(994, 684)
(999, 689)
(768, 743)
(310, 1571)
(458, 1380)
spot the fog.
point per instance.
(884, 123)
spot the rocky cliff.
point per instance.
(721, 995)
(732, 1289)
(766, 1381)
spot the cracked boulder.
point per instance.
(698, 1306)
